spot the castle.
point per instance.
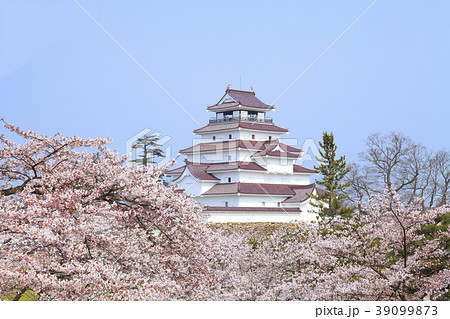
(240, 169)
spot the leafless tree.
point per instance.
(389, 159)
(441, 163)
(361, 185)
(396, 161)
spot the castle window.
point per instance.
(229, 179)
(263, 204)
(214, 138)
(226, 204)
(270, 138)
(278, 204)
(230, 137)
(253, 136)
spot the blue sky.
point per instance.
(59, 72)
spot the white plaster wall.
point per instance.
(190, 184)
(242, 200)
(243, 134)
(256, 201)
(233, 200)
(259, 136)
(224, 176)
(220, 136)
(249, 217)
(263, 177)
(279, 164)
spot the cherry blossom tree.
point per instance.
(78, 224)
(379, 253)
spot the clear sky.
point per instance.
(59, 72)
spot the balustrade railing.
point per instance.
(240, 118)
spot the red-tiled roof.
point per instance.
(245, 144)
(262, 127)
(253, 209)
(301, 169)
(272, 145)
(276, 154)
(223, 107)
(298, 193)
(302, 193)
(234, 165)
(245, 98)
(202, 170)
(234, 125)
(198, 170)
(250, 188)
(175, 171)
(223, 145)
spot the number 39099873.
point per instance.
(406, 310)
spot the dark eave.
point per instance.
(235, 125)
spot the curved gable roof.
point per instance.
(239, 97)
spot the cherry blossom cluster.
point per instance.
(76, 223)
(379, 253)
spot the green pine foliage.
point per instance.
(332, 170)
(150, 149)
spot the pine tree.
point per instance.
(150, 149)
(332, 171)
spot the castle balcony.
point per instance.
(240, 118)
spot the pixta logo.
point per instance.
(257, 151)
(310, 152)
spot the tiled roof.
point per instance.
(234, 165)
(302, 193)
(272, 145)
(245, 98)
(301, 169)
(298, 193)
(224, 106)
(253, 209)
(250, 188)
(223, 145)
(203, 171)
(198, 170)
(175, 171)
(262, 127)
(245, 144)
(234, 125)
(279, 150)
(276, 154)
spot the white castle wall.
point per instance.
(255, 217)
(236, 134)
(263, 177)
(243, 200)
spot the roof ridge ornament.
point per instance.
(251, 89)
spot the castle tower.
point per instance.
(240, 170)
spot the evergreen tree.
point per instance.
(149, 149)
(332, 171)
